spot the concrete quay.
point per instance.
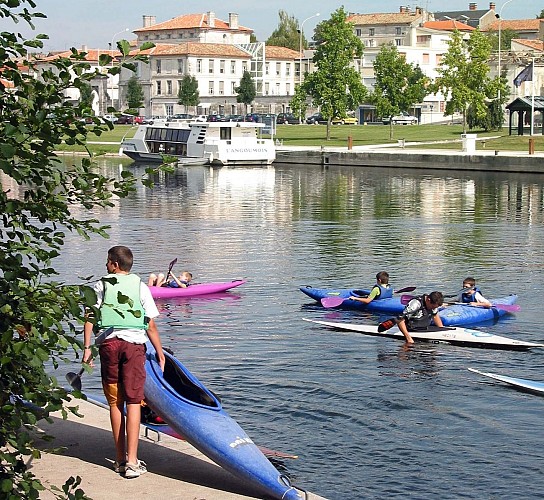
(410, 156)
(176, 470)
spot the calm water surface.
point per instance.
(369, 417)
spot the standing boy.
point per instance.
(126, 304)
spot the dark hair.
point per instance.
(383, 277)
(123, 256)
(436, 298)
(470, 281)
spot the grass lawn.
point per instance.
(315, 135)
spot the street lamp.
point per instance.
(301, 31)
(111, 54)
(499, 16)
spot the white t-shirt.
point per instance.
(133, 335)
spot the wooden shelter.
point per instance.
(520, 114)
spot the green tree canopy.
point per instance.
(188, 94)
(246, 90)
(135, 93)
(399, 85)
(335, 86)
(507, 36)
(463, 77)
(287, 34)
(40, 200)
(541, 15)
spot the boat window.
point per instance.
(225, 133)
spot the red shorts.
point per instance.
(122, 366)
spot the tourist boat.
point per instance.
(211, 143)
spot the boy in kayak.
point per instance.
(159, 280)
(122, 353)
(419, 313)
(472, 295)
(381, 290)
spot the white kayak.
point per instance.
(520, 383)
(451, 335)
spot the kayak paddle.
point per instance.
(336, 301)
(387, 324)
(74, 379)
(172, 264)
(504, 307)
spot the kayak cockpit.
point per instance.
(185, 387)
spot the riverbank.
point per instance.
(176, 469)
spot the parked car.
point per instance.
(315, 119)
(347, 120)
(234, 118)
(403, 118)
(125, 120)
(287, 118)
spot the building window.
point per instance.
(398, 31)
(210, 66)
(278, 88)
(169, 87)
(244, 66)
(371, 43)
(180, 84)
(398, 42)
(278, 69)
(267, 69)
(372, 31)
(233, 67)
(266, 88)
(288, 88)
(211, 87)
(159, 89)
(199, 65)
(232, 88)
(287, 69)
(221, 66)
(221, 88)
(169, 108)
(359, 32)
(180, 66)
(425, 58)
(158, 66)
(439, 58)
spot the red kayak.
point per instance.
(165, 292)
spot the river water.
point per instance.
(368, 417)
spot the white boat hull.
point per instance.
(520, 383)
(450, 335)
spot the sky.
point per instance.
(95, 23)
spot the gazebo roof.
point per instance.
(525, 104)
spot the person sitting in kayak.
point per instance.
(472, 295)
(381, 290)
(419, 313)
(159, 280)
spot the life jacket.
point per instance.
(420, 319)
(467, 298)
(386, 292)
(129, 314)
(174, 284)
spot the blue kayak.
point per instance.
(193, 411)
(379, 306)
(465, 314)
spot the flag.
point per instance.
(525, 75)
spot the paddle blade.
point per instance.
(386, 325)
(406, 289)
(508, 307)
(332, 301)
(405, 299)
(74, 379)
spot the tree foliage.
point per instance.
(40, 200)
(463, 77)
(287, 34)
(335, 86)
(246, 91)
(188, 94)
(135, 93)
(398, 86)
(507, 35)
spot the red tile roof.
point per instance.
(515, 25)
(188, 21)
(274, 52)
(530, 44)
(91, 55)
(448, 25)
(377, 19)
(194, 49)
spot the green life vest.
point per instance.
(121, 307)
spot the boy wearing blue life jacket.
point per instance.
(471, 294)
(381, 290)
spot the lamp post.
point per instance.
(301, 31)
(111, 54)
(499, 16)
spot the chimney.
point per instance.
(472, 6)
(233, 21)
(211, 19)
(402, 9)
(491, 5)
(84, 48)
(149, 21)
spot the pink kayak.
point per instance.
(164, 292)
